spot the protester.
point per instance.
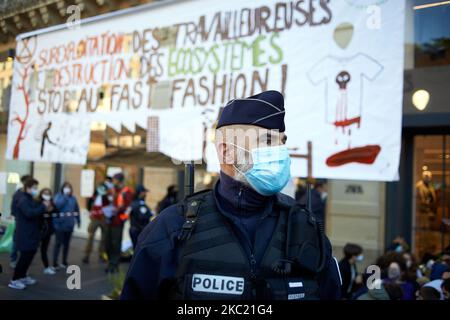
(140, 214)
(437, 285)
(441, 265)
(64, 223)
(123, 196)
(300, 190)
(438, 270)
(28, 235)
(398, 245)
(47, 230)
(95, 206)
(16, 195)
(428, 293)
(445, 286)
(318, 199)
(375, 294)
(397, 273)
(399, 268)
(413, 274)
(349, 272)
(440, 273)
(384, 291)
(169, 199)
(109, 183)
(412, 267)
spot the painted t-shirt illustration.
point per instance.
(344, 80)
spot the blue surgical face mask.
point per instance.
(109, 184)
(101, 190)
(34, 192)
(271, 169)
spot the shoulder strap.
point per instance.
(190, 208)
(287, 203)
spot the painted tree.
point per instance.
(22, 121)
(24, 61)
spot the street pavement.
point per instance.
(94, 281)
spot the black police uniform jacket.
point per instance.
(236, 249)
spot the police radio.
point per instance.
(189, 171)
(308, 196)
(191, 208)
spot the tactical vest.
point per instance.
(214, 265)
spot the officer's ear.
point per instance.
(225, 153)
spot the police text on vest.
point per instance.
(217, 284)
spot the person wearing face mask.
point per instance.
(413, 273)
(169, 199)
(140, 214)
(15, 197)
(47, 230)
(243, 239)
(398, 245)
(349, 272)
(109, 183)
(123, 196)
(28, 234)
(101, 198)
(397, 273)
(68, 214)
(318, 200)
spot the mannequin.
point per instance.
(426, 200)
(426, 204)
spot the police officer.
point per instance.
(243, 239)
(140, 214)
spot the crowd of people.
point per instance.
(41, 215)
(402, 276)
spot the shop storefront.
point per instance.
(418, 205)
(373, 214)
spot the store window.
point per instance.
(432, 194)
(431, 33)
